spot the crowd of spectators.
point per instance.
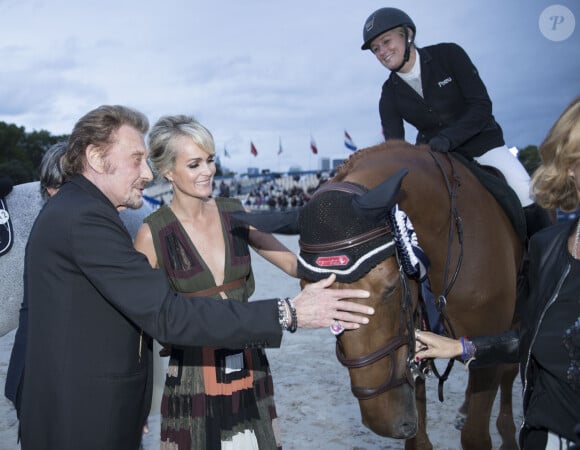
(291, 191)
(272, 192)
(269, 195)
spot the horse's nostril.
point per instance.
(409, 429)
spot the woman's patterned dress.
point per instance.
(214, 398)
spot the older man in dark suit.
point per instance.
(95, 302)
(31, 198)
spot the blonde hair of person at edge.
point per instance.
(192, 240)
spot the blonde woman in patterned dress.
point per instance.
(214, 398)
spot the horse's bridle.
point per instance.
(406, 318)
(407, 315)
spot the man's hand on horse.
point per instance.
(318, 306)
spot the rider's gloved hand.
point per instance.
(440, 143)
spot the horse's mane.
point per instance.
(352, 160)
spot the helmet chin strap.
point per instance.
(408, 43)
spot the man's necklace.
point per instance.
(576, 239)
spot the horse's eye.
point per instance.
(389, 291)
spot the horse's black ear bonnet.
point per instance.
(344, 230)
(6, 231)
(331, 218)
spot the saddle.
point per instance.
(495, 183)
(6, 229)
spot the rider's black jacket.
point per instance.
(550, 267)
(455, 103)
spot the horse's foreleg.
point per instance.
(462, 411)
(505, 419)
(421, 440)
(483, 385)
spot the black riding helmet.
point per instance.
(385, 19)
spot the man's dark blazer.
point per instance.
(132, 219)
(94, 303)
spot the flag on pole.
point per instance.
(348, 143)
(253, 149)
(313, 145)
(280, 147)
(226, 153)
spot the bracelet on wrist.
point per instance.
(293, 325)
(283, 316)
(468, 349)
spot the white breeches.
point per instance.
(512, 169)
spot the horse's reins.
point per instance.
(454, 218)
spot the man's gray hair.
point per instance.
(51, 174)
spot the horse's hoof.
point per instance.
(460, 421)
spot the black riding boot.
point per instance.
(536, 218)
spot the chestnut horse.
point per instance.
(475, 256)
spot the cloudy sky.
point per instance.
(268, 72)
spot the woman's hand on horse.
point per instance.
(317, 306)
(431, 345)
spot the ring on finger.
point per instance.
(336, 328)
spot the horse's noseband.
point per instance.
(406, 322)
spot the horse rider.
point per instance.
(437, 89)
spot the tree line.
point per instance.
(21, 152)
